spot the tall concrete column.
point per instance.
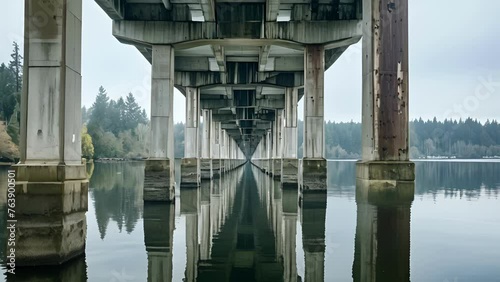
(159, 225)
(314, 162)
(206, 145)
(51, 181)
(159, 170)
(385, 145)
(215, 143)
(290, 163)
(223, 148)
(278, 144)
(268, 152)
(190, 166)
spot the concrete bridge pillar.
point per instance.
(206, 145)
(159, 170)
(190, 166)
(314, 162)
(51, 180)
(277, 130)
(290, 162)
(385, 147)
(268, 152)
(215, 140)
(159, 221)
(223, 152)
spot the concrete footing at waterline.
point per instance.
(50, 222)
(159, 183)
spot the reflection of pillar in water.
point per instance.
(382, 243)
(277, 218)
(74, 270)
(289, 211)
(313, 234)
(189, 208)
(158, 236)
(206, 236)
(215, 206)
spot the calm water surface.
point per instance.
(244, 228)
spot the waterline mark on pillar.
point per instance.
(11, 222)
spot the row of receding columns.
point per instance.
(205, 156)
(277, 151)
(210, 153)
(50, 143)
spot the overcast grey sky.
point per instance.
(454, 65)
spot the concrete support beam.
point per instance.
(272, 8)
(385, 91)
(263, 56)
(314, 163)
(159, 170)
(190, 166)
(208, 8)
(114, 8)
(159, 225)
(193, 34)
(51, 181)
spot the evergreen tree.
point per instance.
(7, 93)
(16, 66)
(99, 117)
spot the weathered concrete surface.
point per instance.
(162, 95)
(159, 225)
(314, 104)
(51, 97)
(198, 33)
(159, 180)
(190, 172)
(385, 81)
(289, 173)
(277, 168)
(290, 126)
(206, 170)
(314, 175)
(388, 171)
(216, 168)
(50, 212)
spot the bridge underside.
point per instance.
(243, 66)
